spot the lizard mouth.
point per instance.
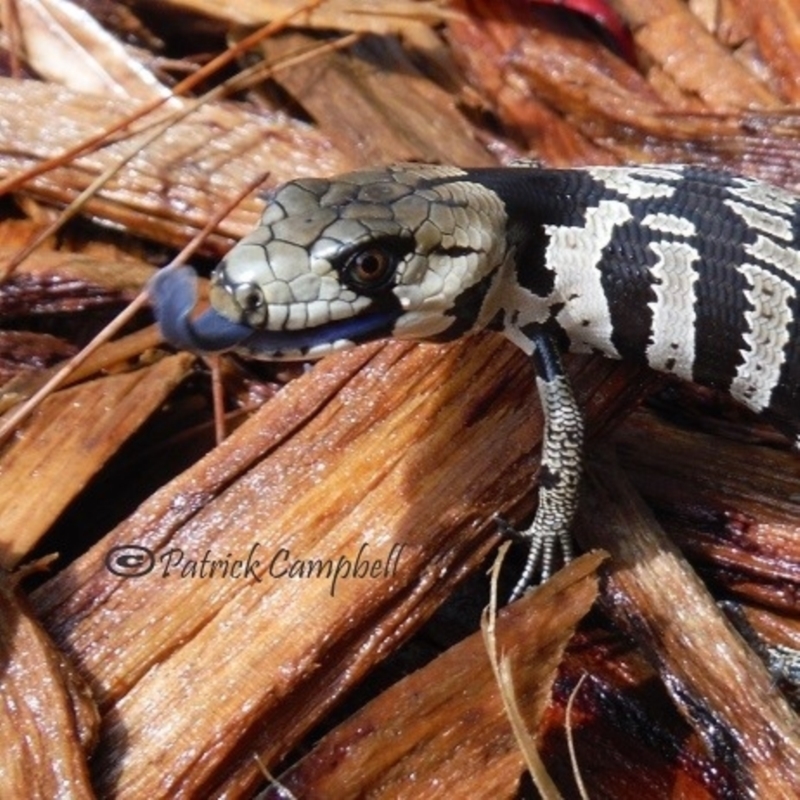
(174, 295)
(321, 340)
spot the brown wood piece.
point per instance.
(407, 446)
(718, 682)
(443, 729)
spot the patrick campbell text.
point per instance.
(258, 565)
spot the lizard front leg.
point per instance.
(561, 465)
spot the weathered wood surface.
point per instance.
(714, 678)
(395, 743)
(386, 447)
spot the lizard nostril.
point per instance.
(249, 297)
(251, 304)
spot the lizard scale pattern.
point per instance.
(691, 271)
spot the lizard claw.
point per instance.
(544, 544)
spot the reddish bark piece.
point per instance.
(606, 18)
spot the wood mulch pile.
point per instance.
(183, 642)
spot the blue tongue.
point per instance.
(173, 296)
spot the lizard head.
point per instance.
(409, 252)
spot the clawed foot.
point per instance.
(544, 545)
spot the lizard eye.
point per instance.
(370, 270)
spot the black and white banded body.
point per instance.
(693, 272)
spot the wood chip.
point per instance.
(57, 282)
(58, 32)
(23, 351)
(67, 441)
(443, 730)
(169, 191)
(674, 39)
(398, 446)
(718, 683)
(742, 525)
(393, 113)
(775, 28)
(48, 721)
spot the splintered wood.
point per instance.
(338, 444)
(656, 594)
(90, 422)
(168, 191)
(453, 698)
(49, 722)
(252, 628)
